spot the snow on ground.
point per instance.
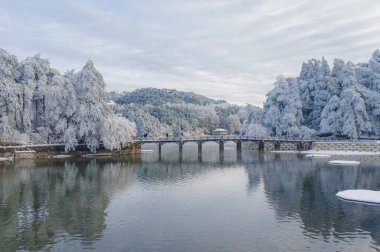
(98, 155)
(344, 162)
(318, 155)
(147, 150)
(342, 153)
(6, 158)
(61, 156)
(332, 153)
(366, 196)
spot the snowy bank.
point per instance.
(342, 153)
(360, 195)
(98, 155)
(318, 155)
(6, 158)
(61, 156)
(344, 162)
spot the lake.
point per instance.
(253, 202)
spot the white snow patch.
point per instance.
(366, 196)
(342, 153)
(318, 155)
(344, 162)
(6, 158)
(98, 155)
(147, 150)
(61, 156)
(285, 151)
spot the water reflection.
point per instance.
(45, 202)
(262, 201)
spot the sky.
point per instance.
(223, 49)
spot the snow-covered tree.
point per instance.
(61, 105)
(355, 118)
(9, 91)
(117, 132)
(331, 117)
(256, 130)
(283, 108)
(275, 104)
(374, 66)
(234, 124)
(316, 88)
(92, 107)
(34, 79)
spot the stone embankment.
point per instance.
(50, 150)
(360, 146)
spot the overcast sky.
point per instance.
(224, 49)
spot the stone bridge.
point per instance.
(262, 144)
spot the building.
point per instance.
(220, 132)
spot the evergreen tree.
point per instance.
(92, 110)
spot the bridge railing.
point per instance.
(226, 137)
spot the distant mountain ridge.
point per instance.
(158, 97)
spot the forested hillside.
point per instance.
(159, 97)
(343, 101)
(158, 112)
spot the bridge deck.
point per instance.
(216, 138)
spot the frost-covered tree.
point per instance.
(331, 117)
(92, 108)
(9, 92)
(374, 66)
(233, 124)
(251, 115)
(61, 105)
(325, 88)
(275, 104)
(283, 108)
(256, 130)
(34, 79)
(316, 88)
(354, 116)
(117, 132)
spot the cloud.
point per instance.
(225, 49)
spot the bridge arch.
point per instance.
(188, 142)
(210, 141)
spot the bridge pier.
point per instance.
(238, 146)
(221, 151)
(159, 150)
(221, 147)
(261, 145)
(180, 147)
(200, 151)
(238, 153)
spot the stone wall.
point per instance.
(45, 151)
(269, 146)
(250, 145)
(347, 146)
(288, 146)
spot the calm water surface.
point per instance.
(256, 202)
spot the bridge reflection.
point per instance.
(190, 153)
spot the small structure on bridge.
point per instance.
(220, 132)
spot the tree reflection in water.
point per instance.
(43, 203)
